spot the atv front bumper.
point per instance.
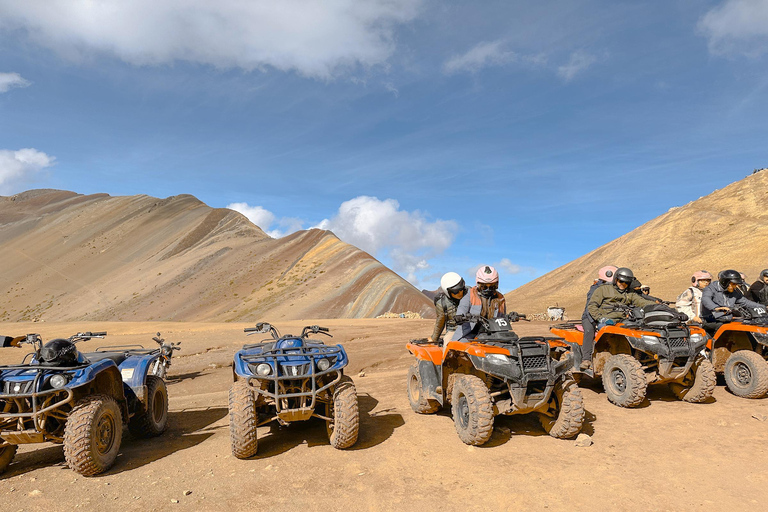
(42, 403)
(667, 351)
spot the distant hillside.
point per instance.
(726, 229)
(68, 256)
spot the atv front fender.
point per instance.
(431, 379)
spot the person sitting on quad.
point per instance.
(604, 275)
(643, 291)
(483, 299)
(758, 292)
(720, 297)
(602, 304)
(689, 302)
(453, 289)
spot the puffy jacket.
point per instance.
(601, 304)
(445, 308)
(689, 302)
(475, 304)
(758, 292)
(714, 296)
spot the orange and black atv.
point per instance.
(651, 345)
(739, 350)
(495, 373)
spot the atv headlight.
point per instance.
(323, 364)
(59, 381)
(264, 369)
(497, 358)
(650, 340)
(696, 338)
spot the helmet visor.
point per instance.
(487, 287)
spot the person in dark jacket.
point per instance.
(719, 298)
(453, 289)
(643, 291)
(604, 275)
(604, 305)
(758, 292)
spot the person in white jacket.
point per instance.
(689, 302)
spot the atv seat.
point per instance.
(117, 357)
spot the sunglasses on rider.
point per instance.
(487, 286)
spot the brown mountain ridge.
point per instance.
(68, 256)
(726, 229)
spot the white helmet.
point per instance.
(451, 283)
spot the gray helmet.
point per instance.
(763, 273)
(624, 275)
(729, 276)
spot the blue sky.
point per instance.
(435, 135)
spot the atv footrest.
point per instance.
(22, 436)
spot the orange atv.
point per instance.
(651, 345)
(739, 350)
(495, 373)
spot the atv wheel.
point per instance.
(153, 419)
(567, 407)
(7, 453)
(342, 431)
(243, 419)
(703, 385)
(92, 435)
(472, 409)
(624, 380)
(746, 374)
(416, 396)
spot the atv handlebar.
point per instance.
(315, 329)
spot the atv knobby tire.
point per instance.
(343, 430)
(92, 435)
(703, 385)
(746, 374)
(153, 419)
(416, 396)
(7, 453)
(472, 409)
(624, 380)
(243, 419)
(567, 407)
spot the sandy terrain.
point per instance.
(665, 455)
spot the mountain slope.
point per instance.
(726, 229)
(69, 256)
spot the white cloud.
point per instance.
(380, 227)
(18, 166)
(737, 26)
(578, 62)
(485, 54)
(315, 39)
(509, 267)
(10, 80)
(265, 219)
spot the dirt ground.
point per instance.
(665, 455)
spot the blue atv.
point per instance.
(61, 395)
(290, 378)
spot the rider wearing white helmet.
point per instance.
(689, 302)
(483, 299)
(453, 289)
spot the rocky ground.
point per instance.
(664, 455)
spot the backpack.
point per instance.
(661, 315)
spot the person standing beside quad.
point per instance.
(720, 297)
(483, 299)
(758, 292)
(602, 304)
(446, 303)
(689, 302)
(604, 275)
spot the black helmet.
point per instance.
(763, 273)
(729, 276)
(59, 352)
(624, 275)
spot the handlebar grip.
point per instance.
(250, 329)
(323, 329)
(100, 333)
